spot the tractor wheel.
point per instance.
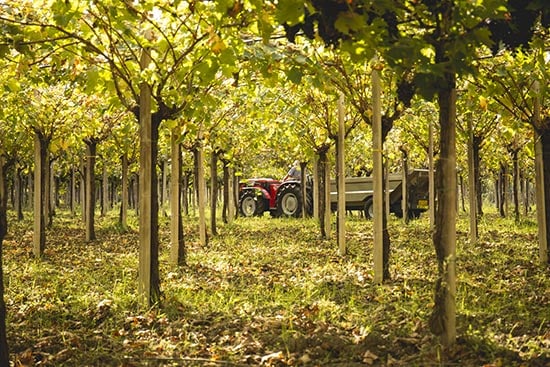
(369, 209)
(309, 202)
(289, 201)
(250, 205)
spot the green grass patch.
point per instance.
(272, 292)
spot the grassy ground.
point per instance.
(270, 292)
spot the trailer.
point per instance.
(359, 193)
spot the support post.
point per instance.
(539, 178)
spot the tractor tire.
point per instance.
(289, 201)
(368, 209)
(309, 202)
(251, 205)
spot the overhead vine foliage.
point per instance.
(363, 28)
(519, 25)
(190, 43)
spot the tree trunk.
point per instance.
(195, 196)
(476, 160)
(404, 185)
(497, 192)
(472, 183)
(232, 191)
(235, 192)
(72, 190)
(462, 188)
(502, 190)
(164, 187)
(386, 244)
(303, 187)
(149, 279)
(19, 193)
(83, 189)
(545, 140)
(104, 190)
(443, 318)
(431, 175)
(315, 187)
(341, 178)
(185, 193)
(40, 178)
(48, 192)
(378, 178)
(515, 185)
(526, 201)
(323, 185)
(30, 186)
(226, 186)
(91, 148)
(542, 164)
(123, 219)
(177, 250)
(4, 353)
(201, 195)
(213, 191)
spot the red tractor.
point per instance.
(280, 198)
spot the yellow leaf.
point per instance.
(218, 46)
(483, 102)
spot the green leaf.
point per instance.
(13, 85)
(294, 75)
(427, 84)
(290, 12)
(348, 22)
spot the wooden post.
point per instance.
(539, 186)
(341, 179)
(378, 176)
(472, 183)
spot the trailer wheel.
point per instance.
(368, 209)
(250, 205)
